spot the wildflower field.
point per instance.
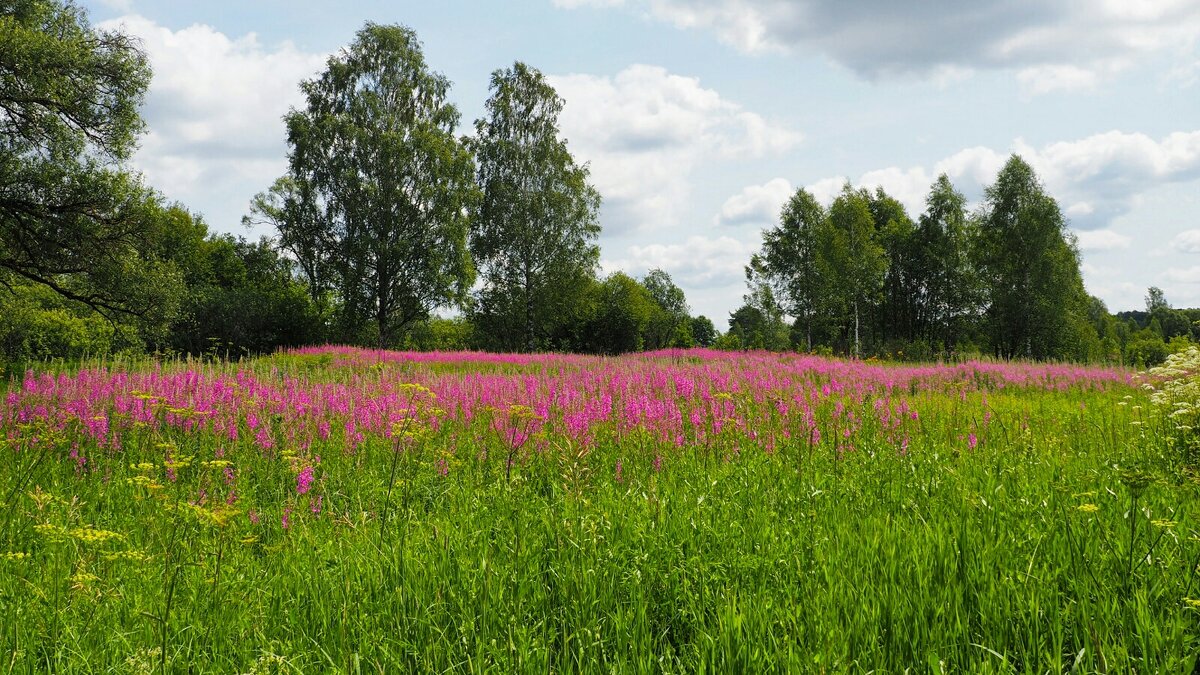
(343, 510)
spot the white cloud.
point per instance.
(1101, 240)
(644, 130)
(826, 189)
(214, 113)
(759, 204)
(1184, 275)
(1057, 77)
(699, 262)
(1050, 44)
(1187, 241)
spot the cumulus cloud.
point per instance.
(214, 113)
(1187, 241)
(1101, 240)
(1184, 275)
(1053, 44)
(756, 204)
(697, 263)
(1095, 179)
(644, 130)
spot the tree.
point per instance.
(946, 287)
(623, 311)
(789, 260)
(288, 207)
(670, 323)
(1036, 303)
(535, 227)
(71, 219)
(853, 259)
(243, 299)
(391, 182)
(896, 234)
(703, 331)
(758, 324)
(1155, 300)
(752, 327)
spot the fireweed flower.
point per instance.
(304, 480)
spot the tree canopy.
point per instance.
(71, 217)
(374, 152)
(534, 229)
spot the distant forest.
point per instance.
(388, 221)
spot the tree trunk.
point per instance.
(529, 341)
(857, 351)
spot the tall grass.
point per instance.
(1005, 524)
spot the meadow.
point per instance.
(346, 510)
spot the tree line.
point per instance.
(385, 218)
(862, 277)
(388, 221)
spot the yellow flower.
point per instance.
(1192, 602)
(1088, 508)
(80, 580)
(14, 555)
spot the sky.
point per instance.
(698, 118)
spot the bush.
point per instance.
(39, 324)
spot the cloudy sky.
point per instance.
(699, 117)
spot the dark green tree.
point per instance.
(853, 260)
(535, 228)
(670, 323)
(243, 298)
(947, 294)
(789, 262)
(896, 320)
(375, 145)
(622, 313)
(71, 218)
(1036, 304)
(704, 333)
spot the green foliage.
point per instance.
(375, 157)
(71, 218)
(441, 334)
(38, 324)
(704, 333)
(534, 229)
(670, 324)
(1146, 348)
(945, 284)
(1034, 290)
(758, 324)
(289, 208)
(790, 262)
(243, 299)
(623, 311)
(851, 253)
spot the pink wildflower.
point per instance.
(304, 480)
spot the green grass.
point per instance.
(943, 559)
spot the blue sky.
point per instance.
(699, 117)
